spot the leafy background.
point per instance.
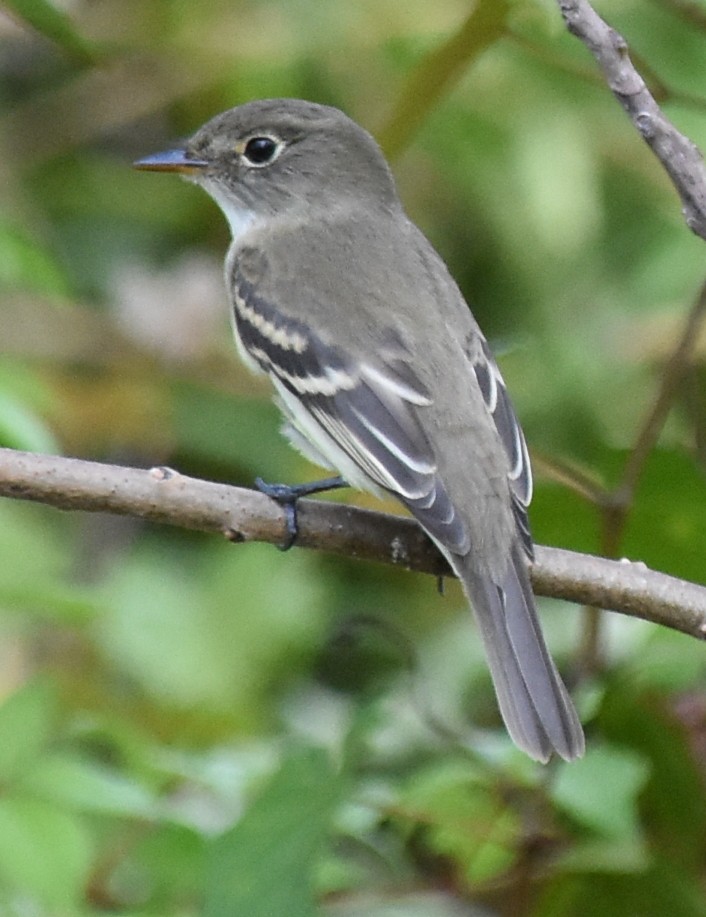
(189, 727)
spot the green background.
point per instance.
(189, 727)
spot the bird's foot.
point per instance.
(287, 496)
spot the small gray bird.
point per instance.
(380, 368)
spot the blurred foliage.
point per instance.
(189, 727)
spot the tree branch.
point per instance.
(165, 496)
(681, 158)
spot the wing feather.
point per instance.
(498, 402)
(368, 409)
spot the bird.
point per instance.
(380, 369)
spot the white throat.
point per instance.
(240, 219)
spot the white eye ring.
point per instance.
(261, 150)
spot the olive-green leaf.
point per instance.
(265, 863)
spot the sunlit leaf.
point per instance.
(463, 817)
(601, 790)
(21, 428)
(86, 786)
(44, 853)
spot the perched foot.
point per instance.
(288, 494)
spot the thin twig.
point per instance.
(675, 371)
(438, 71)
(660, 89)
(679, 156)
(570, 475)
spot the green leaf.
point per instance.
(45, 854)
(601, 790)
(264, 865)
(174, 857)
(54, 25)
(21, 428)
(660, 891)
(673, 803)
(85, 786)
(26, 720)
(36, 547)
(465, 818)
(612, 855)
(212, 634)
(25, 264)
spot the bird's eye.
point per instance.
(259, 151)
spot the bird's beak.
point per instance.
(171, 161)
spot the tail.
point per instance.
(534, 703)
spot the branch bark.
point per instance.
(165, 496)
(680, 158)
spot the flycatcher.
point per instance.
(380, 368)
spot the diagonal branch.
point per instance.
(164, 496)
(679, 156)
(683, 162)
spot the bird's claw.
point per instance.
(287, 496)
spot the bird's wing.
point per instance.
(506, 423)
(366, 407)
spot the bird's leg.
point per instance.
(288, 494)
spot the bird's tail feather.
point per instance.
(534, 703)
